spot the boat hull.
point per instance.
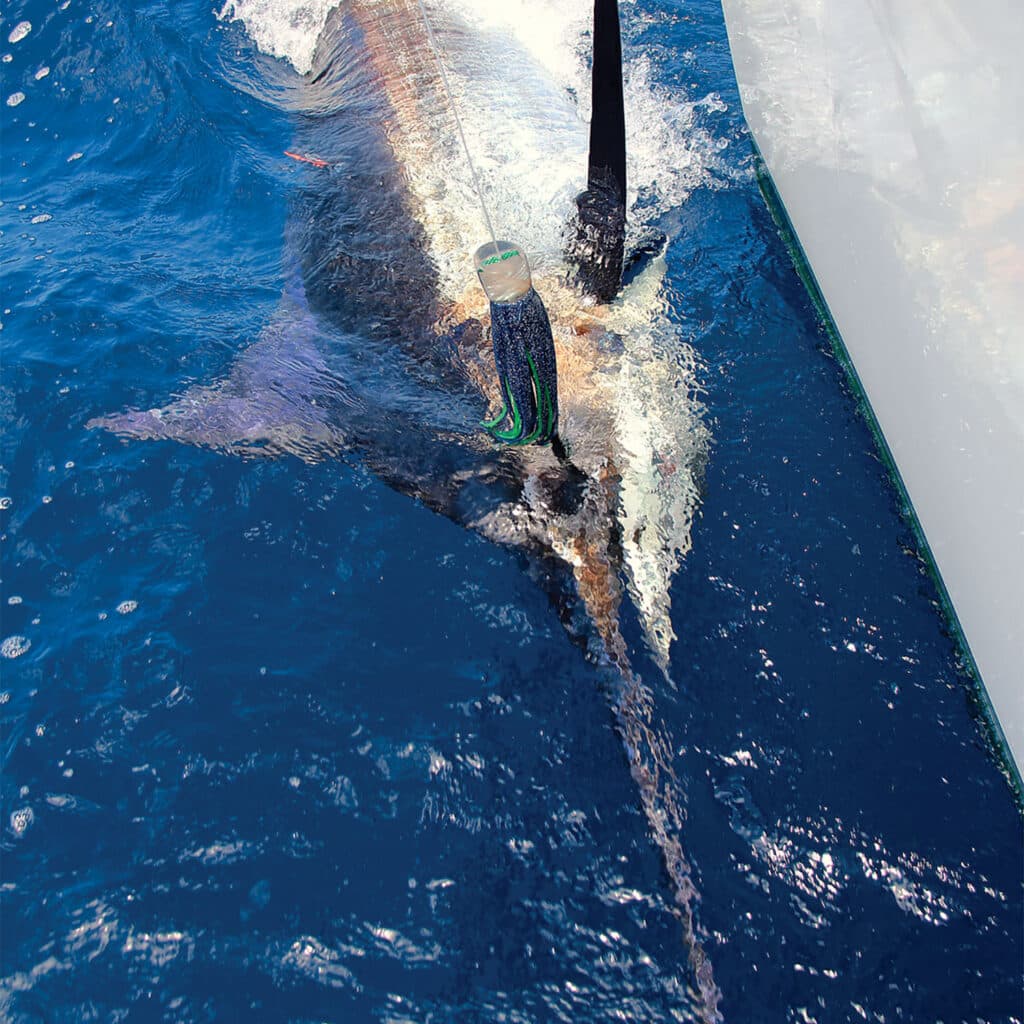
(890, 134)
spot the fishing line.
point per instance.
(458, 121)
(524, 348)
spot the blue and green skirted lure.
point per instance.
(524, 351)
(524, 356)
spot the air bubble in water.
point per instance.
(21, 819)
(14, 646)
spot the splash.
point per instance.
(541, 93)
(282, 28)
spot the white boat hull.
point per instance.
(892, 132)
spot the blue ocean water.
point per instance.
(280, 744)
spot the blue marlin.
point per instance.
(384, 346)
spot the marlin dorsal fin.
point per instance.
(598, 234)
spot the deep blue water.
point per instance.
(340, 761)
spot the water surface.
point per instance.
(280, 744)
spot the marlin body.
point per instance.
(380, 348)
(381, 345)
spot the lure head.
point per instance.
(504, 271)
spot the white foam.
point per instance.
(551, 33)
(14, 646)
(19, 31)
(21, 820)
(522, 127)
(287, 29)
(667, 154)
(532, 126)
(536, 131)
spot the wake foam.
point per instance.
(669, 153)
(286, 29)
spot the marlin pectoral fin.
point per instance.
(279, 397)
(234, 423)
(524, 355)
